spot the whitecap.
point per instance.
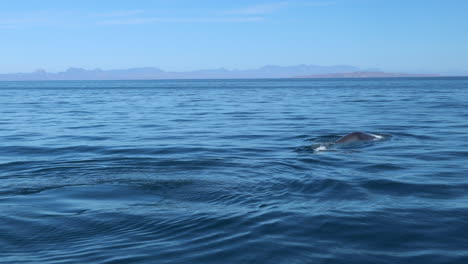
(320, 148)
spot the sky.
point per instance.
(418, 36)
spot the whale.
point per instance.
(356, 136)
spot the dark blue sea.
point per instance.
(234, 171)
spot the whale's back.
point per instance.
(356, 136)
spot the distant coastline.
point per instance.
(364, 74)
(265, 72)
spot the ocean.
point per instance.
(234, 171)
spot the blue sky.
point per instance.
(178, 35)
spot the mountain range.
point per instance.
(148, 73)
(366, 74)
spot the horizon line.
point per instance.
(459, 72)
(233, 79)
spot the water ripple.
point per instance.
(227, 171)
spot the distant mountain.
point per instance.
(82, 74)
(148, 73)
(151, 73)
(364, 74)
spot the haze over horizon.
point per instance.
(181, 35)
(153, 73)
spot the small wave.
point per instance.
(399, 188)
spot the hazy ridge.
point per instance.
(366, 74)
(144, 73)
(153, 73)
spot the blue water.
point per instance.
(234, 171)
